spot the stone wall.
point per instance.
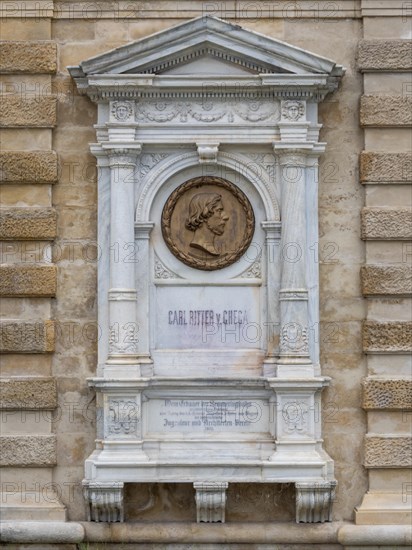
(49, 328)
(385, 173)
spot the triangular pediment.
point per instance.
(207, 45)
(207, 63)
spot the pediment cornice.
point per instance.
(142, 66)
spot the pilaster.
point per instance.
(122, 294)
(294, 359)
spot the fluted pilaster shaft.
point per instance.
(294, 331)
(123, 334)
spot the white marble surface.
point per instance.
(209, 377)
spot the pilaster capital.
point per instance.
(122, 156)
(143, 229)
(292, 153)
(273, 229)
(297, 153)
(101, 155)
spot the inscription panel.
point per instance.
(208, 317)
(203, 417)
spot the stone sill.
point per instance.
(344, 533)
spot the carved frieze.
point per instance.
(209, 110)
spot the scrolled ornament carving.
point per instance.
(123, 339)
(162, 272)
(253, 272)
(295, 417)
(294, 338)
(123, 417)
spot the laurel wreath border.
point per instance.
(168, 209)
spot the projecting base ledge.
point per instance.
(379, 508)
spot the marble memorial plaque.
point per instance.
(205, 416)
(208, 317)
(218, 400)
(208, 223)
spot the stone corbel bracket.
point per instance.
(105, 501)
(314, 501)
(211, 501)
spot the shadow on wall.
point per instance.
(250, 502)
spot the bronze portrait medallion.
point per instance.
(208, 223)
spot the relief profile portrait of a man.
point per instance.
(207, 219)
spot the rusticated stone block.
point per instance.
(28, 223)
(28, 393)
(385, 110)
(32, 57)
(390, 394)
(28, 167)
(27, 280)
(385, 167)
(383, 451)
(386, 223)
(28, 450)
(385, 55)
(27, 336)
(390, 337)
(386, 279)
(36, 112)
